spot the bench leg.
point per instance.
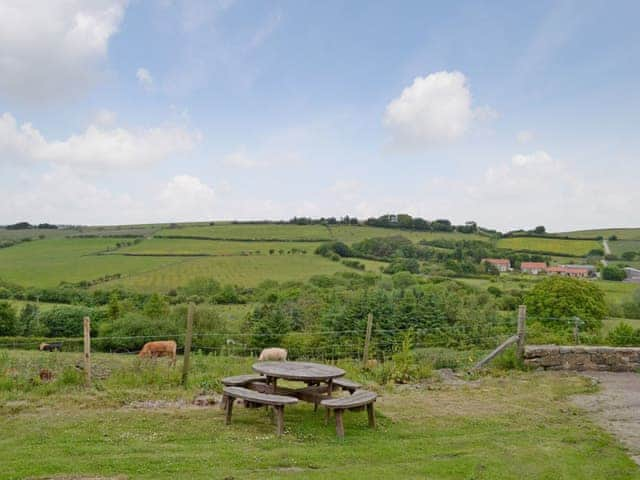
(327, 414)
(279, 409)
(229, 407)
(339, 423)
(372, 415)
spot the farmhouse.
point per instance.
(501, 264)
(569, 271)
(534, 268)
(633, 274)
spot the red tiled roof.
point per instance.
(533, 265)
(568, 270)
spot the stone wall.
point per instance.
(554, 357)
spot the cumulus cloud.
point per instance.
(53, 49)
(186, 198)
(96, 147)
(144, 77)
(524, 136)
(433, 110)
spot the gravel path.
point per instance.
(616, 407)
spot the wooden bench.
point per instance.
(242, 380)
(254, 398)
(346, 384)
(355, 401)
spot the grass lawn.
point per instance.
(45, 263)
(512, 426)
(550, 245)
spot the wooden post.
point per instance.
(187, 345)
(367, 340)
(339, 423)
(492, 355)
(371, 414)
(576, 330)
(522, 331)
(86, 321)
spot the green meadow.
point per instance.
(576, 248)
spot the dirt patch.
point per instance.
(616, 407)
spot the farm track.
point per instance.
(616, 407)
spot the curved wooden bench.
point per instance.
(256, 398)
(346, 384)
(242, 380)
(355, 401)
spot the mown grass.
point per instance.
(46, 263)
(550, 245)
(512, 426)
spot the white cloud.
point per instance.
(97, 147)
(105, 118)
(186, 198)
(53, 49)
(524, 136)
(144, 77)
(435, 109)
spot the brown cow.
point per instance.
(160, 349)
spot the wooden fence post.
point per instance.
(367, 340)
(522, 331)
(576, 330)
(187, 345)
(86, 321)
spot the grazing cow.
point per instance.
(50, 347)
(160, 349)
(274, 354)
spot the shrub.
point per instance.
(613, 272)
(66, 321)
(8, 321)
(623, 335)
(555, 299)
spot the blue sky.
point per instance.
(512, 115)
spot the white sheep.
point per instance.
(273, 354)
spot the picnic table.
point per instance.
(318, 378)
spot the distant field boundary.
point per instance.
(235, 239)
(551, 237)
(541, 252)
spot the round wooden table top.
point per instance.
(304, 371)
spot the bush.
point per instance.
(8, 321)
(556, 299)
(613, 272)
(66, 321)
(623, 335)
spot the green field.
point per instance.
(351, 234)
(252, 232)
(611, 323)
(576, 248)
(621, 233)
(618, 247)
(185, 246)
(46, 263)
(513, 426)
(247, 271)
(110, 231)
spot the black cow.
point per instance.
(51, 347)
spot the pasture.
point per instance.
(248, 271)
(225, 231)
(46, 263)
(351, 234)
(139, 423)
(577, 248)
(621, 233)
(618, 247)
